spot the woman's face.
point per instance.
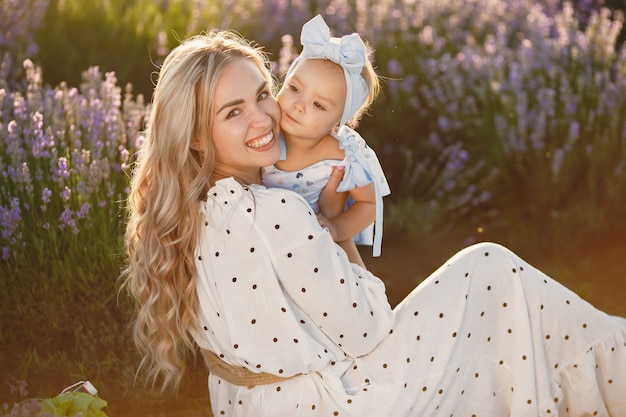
(246, 121)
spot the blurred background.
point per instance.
(501, 120)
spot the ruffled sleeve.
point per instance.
(362, 168)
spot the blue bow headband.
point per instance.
(347, 51)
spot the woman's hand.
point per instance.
(328, 224)
(331, 202)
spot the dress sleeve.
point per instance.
(363, 167)
(346, 302)
(362, 164)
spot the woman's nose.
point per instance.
(261, 117)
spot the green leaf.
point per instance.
(71, 404)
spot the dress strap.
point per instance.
(238, 375)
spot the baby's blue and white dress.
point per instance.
(361, 168)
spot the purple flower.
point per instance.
(45, 197)
(83, 211)
(124, 157)
(20, 107)
(61, 171)
(67, 220)
(66, 194)
(41, 140)
(10, 218)
(20, 175)
(14, 143)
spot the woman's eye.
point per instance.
(233, 113)
(264, 95)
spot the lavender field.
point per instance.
(499, 120)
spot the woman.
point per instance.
(287, 325)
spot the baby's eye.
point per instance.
(293, 88)
(318, 105)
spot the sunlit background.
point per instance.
(499, 120)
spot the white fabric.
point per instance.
(361, 168)
(486, 334)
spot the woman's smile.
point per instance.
(262, 142)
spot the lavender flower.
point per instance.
(67, 220)
(500, 81)
(83, 211)
(66, 194)
(61, 170)
(41, 140)
(46, 195)
(14, 149)
(10, 219)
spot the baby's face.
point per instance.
(312, 99)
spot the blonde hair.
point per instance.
(169, 180)
(373, 90)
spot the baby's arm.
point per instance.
(357, 217)
(344, 225)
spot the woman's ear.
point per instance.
(196, 145)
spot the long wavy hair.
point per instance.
(169, 180)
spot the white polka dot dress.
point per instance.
(485, 335)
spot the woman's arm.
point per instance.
(346, 302)
(264, 258)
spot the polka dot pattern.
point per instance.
(486, 334)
